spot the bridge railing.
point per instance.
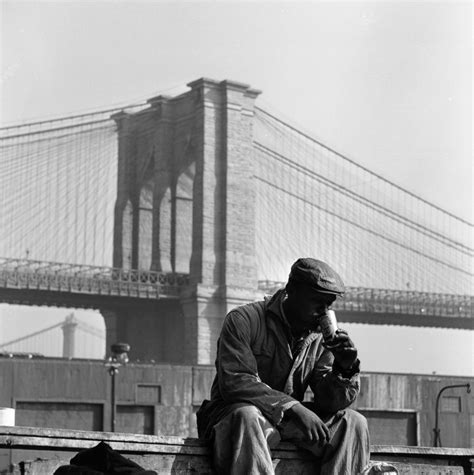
(148, 284)
(361, 299)
(63, 277)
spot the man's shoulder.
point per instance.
(255, 312)
(251, 310)
(249, 320)
(270, 303)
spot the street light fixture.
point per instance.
(436, 430)
(118, 358)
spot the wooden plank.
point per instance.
(201, 466)
(106, 436)
(409, 450)
(426, 469)
(47, 439)
(179, 455)
(28, 435)
(179, 465)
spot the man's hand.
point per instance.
(343, 349)
(313, 428)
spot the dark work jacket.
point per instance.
(255, 366)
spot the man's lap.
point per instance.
(288, 430)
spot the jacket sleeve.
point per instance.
(332, 391)
(238, 374)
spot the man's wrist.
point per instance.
(291, 407)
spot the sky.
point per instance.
(388, 84)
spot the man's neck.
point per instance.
(296, 331)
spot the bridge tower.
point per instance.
(186, 203)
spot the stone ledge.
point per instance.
(178, 455)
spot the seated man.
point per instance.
(268, 354)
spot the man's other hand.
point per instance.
(313, 428)
(343, 349)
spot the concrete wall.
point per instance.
(76, 395)
(163, 399)
(409, 401)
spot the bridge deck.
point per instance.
(186, 455)
(71, 285)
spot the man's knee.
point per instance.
(356, 420)
(246, 414)
(238, 417)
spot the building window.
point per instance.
(451, 404)
(135, 419)
(148, 394)
(60, 415)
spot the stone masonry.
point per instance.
(186, 203)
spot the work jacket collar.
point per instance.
(279, 324)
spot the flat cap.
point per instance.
(318, 275)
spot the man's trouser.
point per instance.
(243, 439)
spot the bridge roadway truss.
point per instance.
(34, 280)
(69, 285)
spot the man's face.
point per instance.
(305, 306)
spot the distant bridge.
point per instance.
(70, 338)
(170, 211)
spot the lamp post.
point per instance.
(118, 358)
(436, 430)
